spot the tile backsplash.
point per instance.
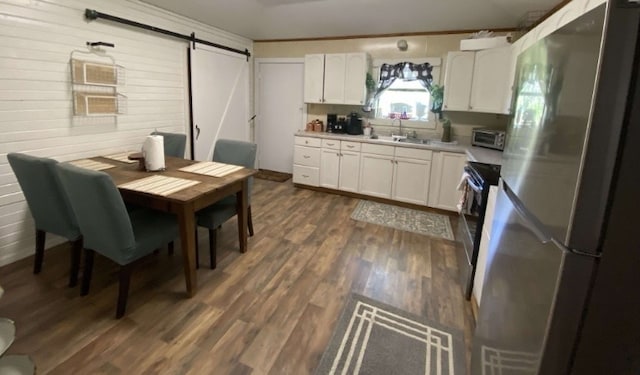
(461, 122)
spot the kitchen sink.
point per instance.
(403, 139)
(415, 141)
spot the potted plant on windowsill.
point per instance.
(437, 99)
(371, 90)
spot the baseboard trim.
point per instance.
(376, 199)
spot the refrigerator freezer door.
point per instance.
(517, 297)
(545, 141)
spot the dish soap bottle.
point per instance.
(446, 130)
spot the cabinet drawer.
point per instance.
(308, 141)
(306, 175)
(377, 149)
(331, 143)
(413, 153)
(307, 156)
(350, 146)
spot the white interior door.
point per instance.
(280, 111)
(220, 97)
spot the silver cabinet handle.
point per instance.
(330, 144)
(305, 175)
(350, 146)
(306, 156)
(306, 142)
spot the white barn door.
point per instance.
(220, 98)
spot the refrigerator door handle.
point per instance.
(531, 223)
(526, 217)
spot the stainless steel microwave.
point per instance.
(489, 138)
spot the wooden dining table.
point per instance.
(186, 202)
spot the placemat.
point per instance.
(122, 156)
(91, 164)
(160, 185)
(212, 168)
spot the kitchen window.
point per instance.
(404, 99)
(407, 100)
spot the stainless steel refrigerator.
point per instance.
(562, 284)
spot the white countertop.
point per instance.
(479, 154)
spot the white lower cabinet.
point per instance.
(411, 180)
(349, 171)
(376, 174)
(398, 173)
(329, 168)
(306, 161)
(413, 175)
(340, 165)
(445, 176)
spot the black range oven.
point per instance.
(478, 178)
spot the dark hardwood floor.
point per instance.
(269, 311)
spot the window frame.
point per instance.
(436, 63)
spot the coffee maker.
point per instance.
(354, 124)
(336, 124)
(332, 120)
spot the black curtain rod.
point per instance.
(92, 14)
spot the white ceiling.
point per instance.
(294, 19)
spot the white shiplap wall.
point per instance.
(37, 38)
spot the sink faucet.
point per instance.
(399, 125)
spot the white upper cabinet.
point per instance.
(314, 78)
(457, 80)
(490, 89)
(342, 79)
(334, 75)
(355, 88)
(478, 81)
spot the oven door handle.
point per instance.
(473, 185)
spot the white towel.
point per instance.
(463, 181)
(466, 198)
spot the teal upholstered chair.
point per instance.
(108, 228)
(49, 207)
(229, 152)
(174, 143)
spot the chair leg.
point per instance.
(37, 262)
(171, 248)
(197, 251)
(86, 273)
(212, 248)
(76, 253)
(249, 221)
(123, 290)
